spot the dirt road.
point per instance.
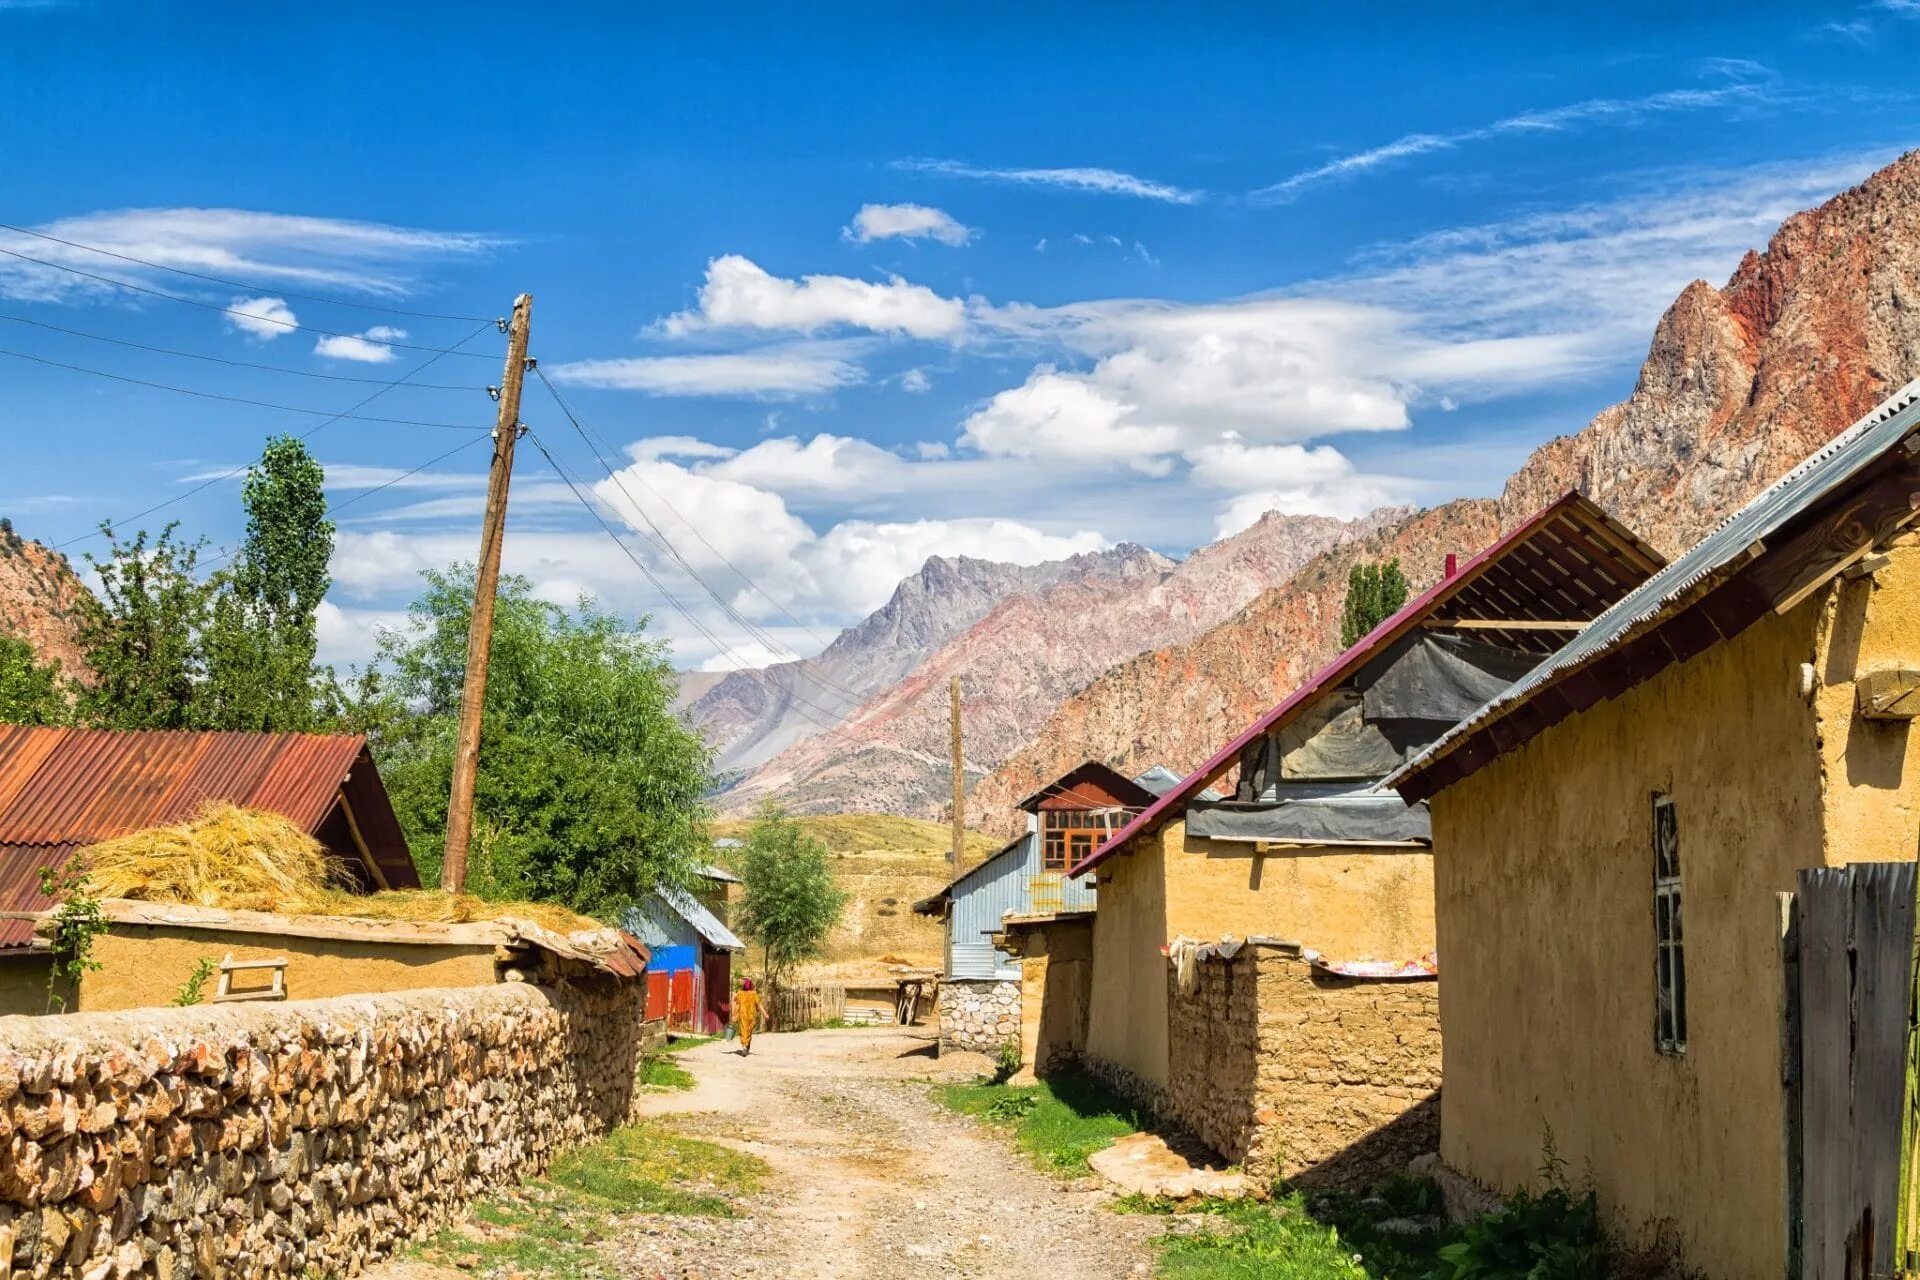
(872, 1179)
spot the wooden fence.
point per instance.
(1851, 1045)
(797, 1008)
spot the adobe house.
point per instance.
(989, 996)
(1742, 717)
(1262, 964)
(63, 789)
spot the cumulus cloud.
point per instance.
(906, 222)
(1291, 478)
(776, 372)
(1095, 181)
(915, 381)
(739, 294)
(367, 348)
(262, 319)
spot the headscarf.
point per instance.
(746, 984)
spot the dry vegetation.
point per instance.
(250, 860)
(885, 864)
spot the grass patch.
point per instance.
(551, 1226)
(680, 1044)
(659, 1071)
(1059, 1122)
(1261, 1242)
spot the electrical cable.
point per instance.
(235, 284)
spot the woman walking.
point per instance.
(746, 1014)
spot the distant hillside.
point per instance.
(885, 864)
(40, 600)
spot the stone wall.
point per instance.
(281, 1139)
(979, 1015)
(1301, 1074)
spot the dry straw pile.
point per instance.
(251, 860)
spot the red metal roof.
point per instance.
(63, 789)
(1568, 559)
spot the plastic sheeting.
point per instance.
(1310, 815)
(1440, 678)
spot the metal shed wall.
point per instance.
(1012, 882)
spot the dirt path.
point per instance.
(872, 1179)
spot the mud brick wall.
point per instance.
(981, 1016)
(1303, 1075)
(283, 1139)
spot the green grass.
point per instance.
(659, 1071)
(1059, 1122)
(1331, 1236)
(551, 1227)
(680, 1044)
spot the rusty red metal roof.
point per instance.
(63, 789)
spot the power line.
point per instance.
(836, 718)
(258, 404)
(831, 687)
(308, 434)
(236, 284)
(238, 364)
(232, 311)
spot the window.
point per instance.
(1670, 959)
(1069, 836)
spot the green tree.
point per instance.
(31, 692)
(590, 789)
(142, 635)
(788, 902)
(260, 640)
(1375, 592)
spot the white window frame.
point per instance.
(1669, 934)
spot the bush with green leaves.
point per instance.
(788, 900)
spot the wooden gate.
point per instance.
(1853, 1023)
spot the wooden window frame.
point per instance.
(1062, 829)
(1669, 933)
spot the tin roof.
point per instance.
(1760, 531)
(1569, 560)
(690, 909)
(62, 789)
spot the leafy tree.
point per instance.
(788, 902)
(142, 636)
(590, 788)
(30, 691)
(1375, 592)
(260, 640)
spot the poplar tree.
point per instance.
(1375, 592)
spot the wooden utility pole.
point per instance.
(473, 694)
(959, 856)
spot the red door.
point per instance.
(656, 996)
(719, 974)
(680, 1000)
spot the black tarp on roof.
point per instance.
(1313, 813)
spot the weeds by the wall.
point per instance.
(1059, 1122)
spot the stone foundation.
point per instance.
(979, 1016)
(284, 1139)
(1304, 1075)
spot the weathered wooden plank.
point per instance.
(1790, 1074)
(1882, 960)
(1824, 904)
(1837, 537)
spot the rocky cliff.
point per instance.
(1019, 661)
(40, 598)
(1740, 383)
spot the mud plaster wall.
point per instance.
(1547, 937)
(144, 967)
(277, 1139)
(979, 1015)
(23, 983)
(1349, 904)
(1295, 1073)
(1055, 970)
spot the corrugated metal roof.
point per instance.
(62, 789)
(1820, 475)
(1567, 556)
(704, 922)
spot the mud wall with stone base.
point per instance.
(979, 1016)
(282, 1139)
(1300, 1074)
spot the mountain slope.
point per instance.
(1739, 384)
(1019, 661)
(750, 716)
(40, 598)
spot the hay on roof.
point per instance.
(253, 860)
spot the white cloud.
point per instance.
(262, 319)
(768, 372)
(1548, 120)
(738, 294)
(367, 348)
(824, 464)
(748, 656)
(1290, 478)
(915, 381)
(334, 254)
(677, 447)
(906, 222)
(1095, 181)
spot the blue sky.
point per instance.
(838, 288)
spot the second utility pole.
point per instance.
(959, 783)
(486, 580)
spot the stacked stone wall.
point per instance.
(286, 1139)
(1300, 1074)
(979, 1016)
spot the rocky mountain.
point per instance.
(751, 716)
(1740, 383)
(1019, 661)
(40, 596)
